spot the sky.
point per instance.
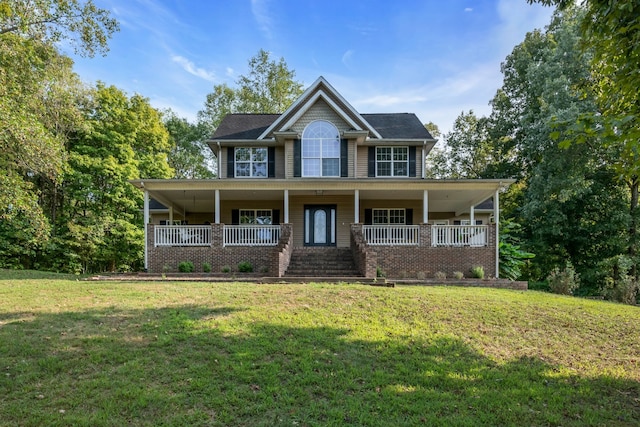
(434, 58)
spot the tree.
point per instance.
(84, 25)
(269, 87)
(190, 158)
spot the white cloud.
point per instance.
(468, 9)
(260, 11)
(516, 19)
(191, 68)
(229, 72)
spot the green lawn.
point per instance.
(167, 353)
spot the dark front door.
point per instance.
(320, 225)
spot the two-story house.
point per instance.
(322, 190)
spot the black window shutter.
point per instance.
(230, 162)
(412, 161)
(271, 161)
(457, 222)
(409, 216)
(297, 158)
(344, 158)
(372, 162)
(368, 216)
(275, 217)
(235, 216)
(478, 222)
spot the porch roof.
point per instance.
(197, 196)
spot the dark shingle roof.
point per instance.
(389, 125)
(398, 125)
(244, 126)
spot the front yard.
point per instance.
(168, 353)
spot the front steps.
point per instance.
(322, 262)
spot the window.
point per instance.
(256, 216)
(320, 150)
(251, 162)
(389, 216)
(392, 161)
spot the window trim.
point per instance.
(321, 158)
(255, 215)
(393, 162)
(388, 216)
(251, 162)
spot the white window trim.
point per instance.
(321, 158)
(250, 162)
(255, 215)
(388, 210)
(393, 175)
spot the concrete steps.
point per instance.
(322, 262)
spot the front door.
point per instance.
(320, 225)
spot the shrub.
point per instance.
(440, 275)
(245, 267)
(421, 275)
(563, 281)
(380, 272)
(458, 275)
(206, 267)
(477, 272)
(185, 267)
(226, 269)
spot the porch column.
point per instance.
(425, 207)
(496, 216)
(170, 215)
(286, 206)
(472, 215)
(356, 206)
(146, 221)
(216, 202)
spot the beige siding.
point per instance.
(344, 217)
(363, 159)
(320, 111)
(223, 161)
(288, 158)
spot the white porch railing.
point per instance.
(392, 235)
(459, 235)
(182, 235)
(251, 235)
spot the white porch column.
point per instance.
(146, 221)
(496, 216)
(216, 207)
(356, 206)
(472, 215)
(425, 207)
(286, 206)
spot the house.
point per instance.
(321, 190)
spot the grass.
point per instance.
(203, 354)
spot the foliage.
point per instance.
(226, 269)
(477, 272)
(380, 272)
(206, 267)
(512, 257)
(189, 157)
(440, 275)
(84, 25)
(268, 87)
(619, 285)
(564, 281)
(169, 353)
(459, 275)
(185, 267)
(245, 267)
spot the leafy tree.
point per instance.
(268, 87)
(189, 156)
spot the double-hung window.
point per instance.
(389, 216)
(320, 150)
(251, 162)
(392, 161)
(256, 216)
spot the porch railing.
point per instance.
(392, 235)
(459, 235)
(251, 235)
(182, 235)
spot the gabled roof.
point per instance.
(398, 125)
(244, 126)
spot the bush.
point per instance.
(245, 267)
(226, 269)
(185, 267)
(477, 272)
(206, 267)
(563, 281)
(458, 275)
(380, 272)
(440, 275)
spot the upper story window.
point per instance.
(251, 162)
(320, 150)
(389, 216)
(392, 161)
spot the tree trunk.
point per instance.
(633, 228)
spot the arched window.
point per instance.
(320, 149)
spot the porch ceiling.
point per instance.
(198, 196)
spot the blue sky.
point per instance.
(435, 58)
